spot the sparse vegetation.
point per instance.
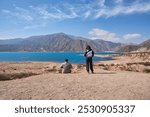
(146, 70)
(146, 64)
(105, 68)
(101, 65)
(51, 70)
(80, 66)
(15, 76)
(141, 63)
(112, 64)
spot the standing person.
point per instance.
(88, 55)
(66, 67)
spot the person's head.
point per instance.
(88, 47)
(66, 60)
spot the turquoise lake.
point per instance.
(74, 57)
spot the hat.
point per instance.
(66, 60)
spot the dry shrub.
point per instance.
(146, 64)
(112, 64)
(80, 66)
(51, 70)
(4, 77)
(105, 68)
(101, 65)
(146, 70)
(129, 63)
(141, 63)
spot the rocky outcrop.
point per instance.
(142, 56)
(138, 62)
(143, 47)
(134, 67)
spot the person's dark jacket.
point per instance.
(89, 53)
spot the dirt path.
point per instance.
(101, 85)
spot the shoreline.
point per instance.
(120, 62)
(115, 79)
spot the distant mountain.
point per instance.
(56, 42)
(145, 46)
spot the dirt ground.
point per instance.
(49, 85)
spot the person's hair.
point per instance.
(66, 60)
(88, 47)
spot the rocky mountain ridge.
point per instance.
(56, 42)
(142, 47)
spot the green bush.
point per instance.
(147, 70)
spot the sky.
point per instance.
(126, 21)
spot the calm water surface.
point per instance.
(74, 57)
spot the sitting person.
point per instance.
(65, 67)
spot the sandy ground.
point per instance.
(47, 84)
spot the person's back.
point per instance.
(66, 67)
(89, 55)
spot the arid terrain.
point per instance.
(126, 77)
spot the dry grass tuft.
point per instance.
(4, 77)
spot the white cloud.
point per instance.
(118, 1)
(35, 26)
(131, 36)
(110, 36)
(103, 34)
(19, 13)
(101, 3)
(93, 10)
(120, 9)
(5, 11)
(87, 14)
(45, 12)
(24, 14)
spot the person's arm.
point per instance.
(61, 66)
(85, 54)
(92, 53)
